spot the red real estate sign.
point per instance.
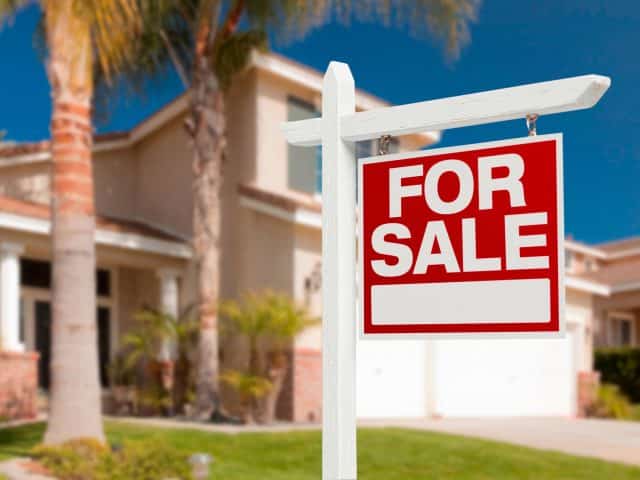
(463, 240)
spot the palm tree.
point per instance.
(84, 38)
(209, 42)
(269, 322)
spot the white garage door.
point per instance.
(504, 377)
(391, 379)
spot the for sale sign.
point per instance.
(463, 240)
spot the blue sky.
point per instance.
(512, 43)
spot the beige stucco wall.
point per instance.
(271, 111)
(29, 182)
(136, 289)
(307, 258)
(239, 168)
(114, 172)
(163, 179)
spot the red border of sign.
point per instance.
(554, 328)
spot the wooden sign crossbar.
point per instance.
(337, 130)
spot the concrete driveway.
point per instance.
(610, 440)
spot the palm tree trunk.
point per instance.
(75, 403)
(206, 126)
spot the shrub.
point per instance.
(148, 460)
(269, 322)
(611, 403)
(620, 366)
(88, 459)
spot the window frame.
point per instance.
(317, 174)
(614, 321)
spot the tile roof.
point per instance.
(620, 245)
(16, 149)
(41, 211)
(616, 273)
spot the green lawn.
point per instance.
(384, 454)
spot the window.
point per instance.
(104, 344)
(37, 274)
(103, 283)
(304, 164)
(568, 260)
(621, 330)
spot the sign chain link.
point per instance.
(383, 144)
(532, 118)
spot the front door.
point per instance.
(43, 341)
(42, 311)
(104, 344)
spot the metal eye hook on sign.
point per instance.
(383, 144)
(532, 118)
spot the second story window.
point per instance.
(568, 260)
(304, 164)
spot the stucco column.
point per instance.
(10, 296)
(169, 301)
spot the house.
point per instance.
(271, 220)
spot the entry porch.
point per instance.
(138, 266)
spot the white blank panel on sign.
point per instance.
(496, 301)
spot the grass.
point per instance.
(389, 454)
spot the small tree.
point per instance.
(142, 349)
(270, 322)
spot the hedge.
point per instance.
(620, 366)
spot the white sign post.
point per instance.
(337, 130)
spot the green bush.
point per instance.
(88, 459)
(611, 403)
(620, 366)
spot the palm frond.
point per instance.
(447, 20)
(8, 8)
(234, 52)
(247, 385)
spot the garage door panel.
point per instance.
(391, 379)
(531, 377)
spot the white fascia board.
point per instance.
(585, 249)
(631, 252)
(128, 241)
(625, 287)
(587, 286)
(26, 159)
(155, 121)
(24, 224)
(301, 216)
(132, 241)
